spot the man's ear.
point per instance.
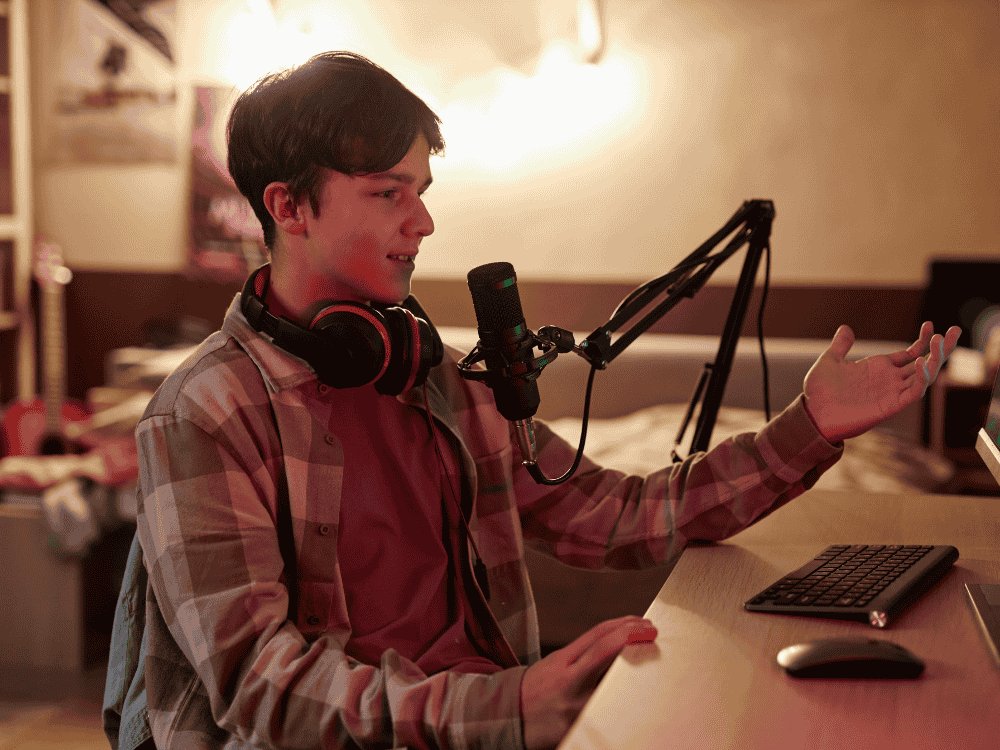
(287, 214)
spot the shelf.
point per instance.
(19, 510)
(12, 227)
(8, 321)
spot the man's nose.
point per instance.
(421, 222)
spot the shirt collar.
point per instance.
(279, 368)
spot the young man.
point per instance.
(396, 611)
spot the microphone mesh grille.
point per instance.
(495, 296)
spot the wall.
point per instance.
(871, 124)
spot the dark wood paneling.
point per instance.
(887, 313)
(106, 310)
(8, 365)
(109, 310)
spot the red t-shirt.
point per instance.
(401, 537)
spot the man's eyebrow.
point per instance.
(405, 177)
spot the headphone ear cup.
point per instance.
(417, 349)
(400, 368)
(356, 347)
(430, 348)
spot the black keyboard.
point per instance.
(870, 583)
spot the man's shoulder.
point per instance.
(217, 375)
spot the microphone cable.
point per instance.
(760, 329)
(536, 472)
(682, 271)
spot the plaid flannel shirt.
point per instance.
(241, 422)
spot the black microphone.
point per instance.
(507, 344)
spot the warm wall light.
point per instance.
(259, 40)
(505, 118)
(262, 9)
(590, 23)
(248, 42)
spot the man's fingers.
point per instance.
(927, 368)
(936, 357)
(951, 337)
(915, 350)
(595, 660)
(919, 347)
(924, 346)
(842, 342)
(915, 386)
(941, 348)
(585, 642)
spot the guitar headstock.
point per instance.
(49, 267)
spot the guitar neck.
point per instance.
(53, 356)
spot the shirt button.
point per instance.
(328, 438)
(323, 388)
(312, 620)
(324, 529)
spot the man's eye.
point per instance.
(386, 194)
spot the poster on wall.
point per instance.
(113, 95)
(226, 240)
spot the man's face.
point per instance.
(363, 244)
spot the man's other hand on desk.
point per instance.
(555, 689)
(846, 399)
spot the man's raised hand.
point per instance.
(846, 399)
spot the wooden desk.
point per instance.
(710, 679)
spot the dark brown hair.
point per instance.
(337, 111)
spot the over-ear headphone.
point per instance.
(349, 344)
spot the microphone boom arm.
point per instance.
(753, 221)
(755, 217)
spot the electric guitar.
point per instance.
(38, 426)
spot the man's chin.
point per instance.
(388, 300)
(395, 296)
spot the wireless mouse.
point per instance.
(858, 658)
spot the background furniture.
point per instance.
(956, 412)
(59, 610)
(710, 680)
(963, 292)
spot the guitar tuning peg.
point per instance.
(62, 275)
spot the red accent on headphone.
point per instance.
(260, 281)
(358, 309)
(415, 354)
